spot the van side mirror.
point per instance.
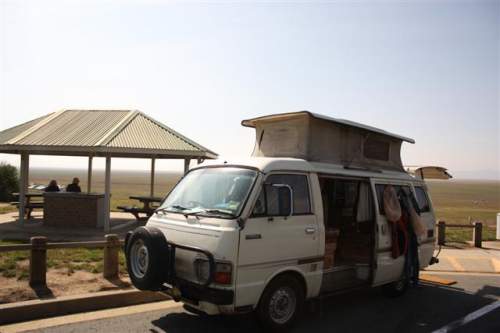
(279, 199)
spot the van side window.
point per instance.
(300, 188)
(260, 205)
(379, 188)
(376, 149)
(423, 201)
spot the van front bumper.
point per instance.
(193, 294)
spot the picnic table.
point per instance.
(30, 204)
(147, 205)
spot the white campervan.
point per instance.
(301, 219)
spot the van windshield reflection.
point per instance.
(219, 192)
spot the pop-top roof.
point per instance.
(282, 116)
(121, 133)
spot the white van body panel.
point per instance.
(219, 236)
(270, 246)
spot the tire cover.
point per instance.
(159, 258)
(392, 208)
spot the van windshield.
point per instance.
(211, 192)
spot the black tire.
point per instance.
(150, 270)
(268, 310)
(396, 288)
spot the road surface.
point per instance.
(425, 309)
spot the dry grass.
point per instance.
(14, 264)
(463, 202)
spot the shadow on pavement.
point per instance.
(422, 309)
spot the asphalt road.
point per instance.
(423, 309)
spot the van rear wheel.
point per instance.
(396, 288)
(281, 303)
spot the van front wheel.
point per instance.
(281, 303)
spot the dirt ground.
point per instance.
(59, 283)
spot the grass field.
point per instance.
(463, 202)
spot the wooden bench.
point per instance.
(29, 207)
(134, 210)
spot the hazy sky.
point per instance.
(424, 69)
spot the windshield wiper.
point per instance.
(178, 207)
(219, 211)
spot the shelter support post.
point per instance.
(186, 165)
(152, 183)
(89, 176)
(107, 194)
(24, 170)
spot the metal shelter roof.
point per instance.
(116, 133)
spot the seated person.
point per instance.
(52, 187)
(74, 187)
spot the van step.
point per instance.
(341, 277)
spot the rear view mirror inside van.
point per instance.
(279, 199)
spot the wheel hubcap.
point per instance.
(139, 258)
(282, 305)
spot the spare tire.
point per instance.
(147, 254)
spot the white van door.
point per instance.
(388, 269)
(270, 244)
(426, 241)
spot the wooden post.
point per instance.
(477, 235)
(186, 165)
(152, 183)
(441, 232)
(111, 262)
(107, 194)
(23, 184)
(38, 261)
(89, 176)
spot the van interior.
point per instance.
(350, 232)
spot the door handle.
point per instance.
(310, 230)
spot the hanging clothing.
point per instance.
(412, 264)
(399, 236)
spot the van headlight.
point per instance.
(223, 271)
